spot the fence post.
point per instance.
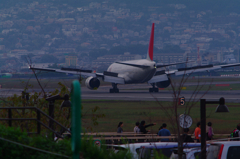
(38, 122)
(51, 113)
(10, 117)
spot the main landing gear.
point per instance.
(153, 89)
(114, 89)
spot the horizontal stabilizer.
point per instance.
(134, 65)
(171, 64)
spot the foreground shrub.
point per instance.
(11, 150)
(63, 147)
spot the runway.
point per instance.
(162, 95)
(139, 92)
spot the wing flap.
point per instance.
(177, 73)
(158, 78)
(113, 74)
(113, 79)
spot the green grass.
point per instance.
(21, 83)
(130, 112)
(213, 87)
(202, 88)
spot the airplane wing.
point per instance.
(67, 71)
(106, 76)
(196, 69)
(163, 75)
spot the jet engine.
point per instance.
(163, 84)
(92, 83)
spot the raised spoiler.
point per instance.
(67, 71)
(112, 77)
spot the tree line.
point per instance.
(133, 49)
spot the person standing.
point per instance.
(209, 130)
(236, 133)
(119, 128)
(143, 127)
(197, 132)
(159, 129)
(185, 137)
(164, 132)
(136, 128)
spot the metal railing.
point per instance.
(131, 137)
(38, 119)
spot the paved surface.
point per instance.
(139, 92)
(162, 95)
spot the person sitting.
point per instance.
(136, 128)
(164, 132)
(119, 128)
(185, 137)
(143, 127)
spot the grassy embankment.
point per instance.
(131, 111)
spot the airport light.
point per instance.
(66, 102)
(221, 108)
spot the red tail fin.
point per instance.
(151, 42)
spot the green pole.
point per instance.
(76, 118)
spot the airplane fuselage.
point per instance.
(132, 74)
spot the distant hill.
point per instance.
(219, 7)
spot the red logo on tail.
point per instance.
(151, 42)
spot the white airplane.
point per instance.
(135, 71)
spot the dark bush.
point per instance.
(13, 151)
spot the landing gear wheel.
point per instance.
(150, 90)
(111, 90)
(155, 89)
(114, 89)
